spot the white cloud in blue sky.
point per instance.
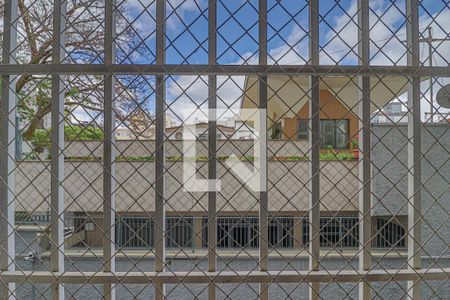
(288, 40)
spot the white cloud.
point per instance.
(145, 23)
(384, 20)
(295, 51)
(188, 92)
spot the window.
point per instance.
(302, 129)
(138, 232)
(180, 232)
(134, 232)
(340, 232)
(281, 232)
(237, 232)
(334, 133)
(389, 234)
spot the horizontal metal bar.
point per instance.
(168, 69)
(224, 277)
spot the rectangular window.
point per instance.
(134, 232)
(302, 129)
(237, 232)
(334, 134)
(180, 232)
(281, 232)
(390, 234)
(339, 232)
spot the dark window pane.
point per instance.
(334, 133)
(302, 129)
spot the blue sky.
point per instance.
(237, 36)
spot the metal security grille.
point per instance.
(338, 106)
(134, 232)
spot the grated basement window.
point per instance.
(335, 232)
(138, 232)
(180, 232)
(389, 233)
(233, 232)
(281, 232)
(134, 232)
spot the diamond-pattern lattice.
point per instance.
(357, 150)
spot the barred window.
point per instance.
(334, 133)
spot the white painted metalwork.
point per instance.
(210, 231)
(365, 169)
(8, 148)
(57, 158)
(314, 138)
(157, 69)
(263, 196)
(109, 153)
(414, 149)
(227, 276)
(212, 145)
(160, 187)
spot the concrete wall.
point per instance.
(175, 148)
(288, 181)
(288, 187)
(390, 180)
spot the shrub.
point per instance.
(83, 133)
(40, 141)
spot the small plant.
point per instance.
(355, 142)
(295, 158)
(135, 158)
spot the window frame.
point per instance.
(335, 133)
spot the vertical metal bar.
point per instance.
(109, 153)
(414, 147)
(160, 186)
(263, 197)
(364, 174)
(8, 149)
(57, 155)
(212, 145)
(430, 63)
(314, 139)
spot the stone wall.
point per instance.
(390, 180)
(288, 187)
(141, 148)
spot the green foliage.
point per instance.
(323, 156)
(333, 155)
(40, 141)
(135, 158)
(276, 131)
(292, 158)
(329, 155)
(41, 138)
(82, 133)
